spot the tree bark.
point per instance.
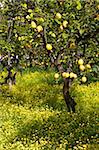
(66, 89)
(68, 99)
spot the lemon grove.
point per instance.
(59, 34)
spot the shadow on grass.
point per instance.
(57, 129)
(43, 96)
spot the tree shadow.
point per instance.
(56, 129)
(53, 130)
(42, 97)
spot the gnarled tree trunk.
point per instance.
(66, 93)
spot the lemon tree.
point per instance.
(54, 33)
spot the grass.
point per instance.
(33, 115)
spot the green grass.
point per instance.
(33, 115)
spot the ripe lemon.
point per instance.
(58, 16)
(82, 67)
(16, 35)
(19, 38)
(42, 63)
(75, 76)
(61, 27)
(28, 17)
(39, 28)
(88, 66)
(65, 74)
(33, 24)
(65, 23)
(84, 79)
(71, 75)
(80, 61)
(30, 10)
(56, 76)
(49, 47)
(53, 35)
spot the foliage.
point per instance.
(69, 27)
(33, 115)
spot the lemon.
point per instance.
(71, 75)
(49, 47)
(65, 23)
(82, 67)
(88, 66)
(28, 17)
(56, 76)
(75, 76)
(84, 79)
(30, 10)
(65, 74)
(53, 35)
(80, 61)
(39, 28)
(19, 38)
(61, 27)
(58, 16)
(33, 24)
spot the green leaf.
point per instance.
(79, 6)
(64, 36)
(81, 31)
(59, 22)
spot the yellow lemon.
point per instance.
(16, 35)
(30, 10)
(33, 24)
(84, 79)
(39, 28)
(80, 61)
(75, 76)
(82, 67)
(65, 23)
(42, 63)
(49, 47)
(65, 74)
(61, 27)
(56, 76)
(28, 17)
(53, 35)
(19, 38)
(58, 16)
(88, 66)
(71, 75)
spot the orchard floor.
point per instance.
(33, 115)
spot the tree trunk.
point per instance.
(30, 59)
(66, 87)
(68, 99)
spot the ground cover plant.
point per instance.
(33, 115)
